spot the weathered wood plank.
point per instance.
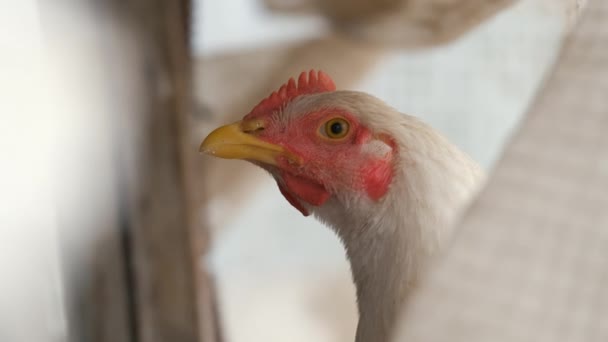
(174, 295)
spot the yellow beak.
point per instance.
(235, 141)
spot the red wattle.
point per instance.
(307, 190)
(292, 200)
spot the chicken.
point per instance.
(386, 183)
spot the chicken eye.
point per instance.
(336, 128)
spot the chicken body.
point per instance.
(390, 187)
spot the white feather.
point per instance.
(389, 241)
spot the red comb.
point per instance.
(308, 83)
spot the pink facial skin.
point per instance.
(328, 165)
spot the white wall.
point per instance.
(31, 299)
(58, 172)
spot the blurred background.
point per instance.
(279, 272)
(115, 228)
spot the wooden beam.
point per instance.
(173, 292)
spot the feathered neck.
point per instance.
(387, 242)
(385, 251)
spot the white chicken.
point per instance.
(389, 185)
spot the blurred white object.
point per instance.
(30, 289)
(242, 24)
(58, 175)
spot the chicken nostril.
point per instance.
(254, 131)
(252, 127)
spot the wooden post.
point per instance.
(173, 292)
(129, 231)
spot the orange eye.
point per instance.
(336, 128)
